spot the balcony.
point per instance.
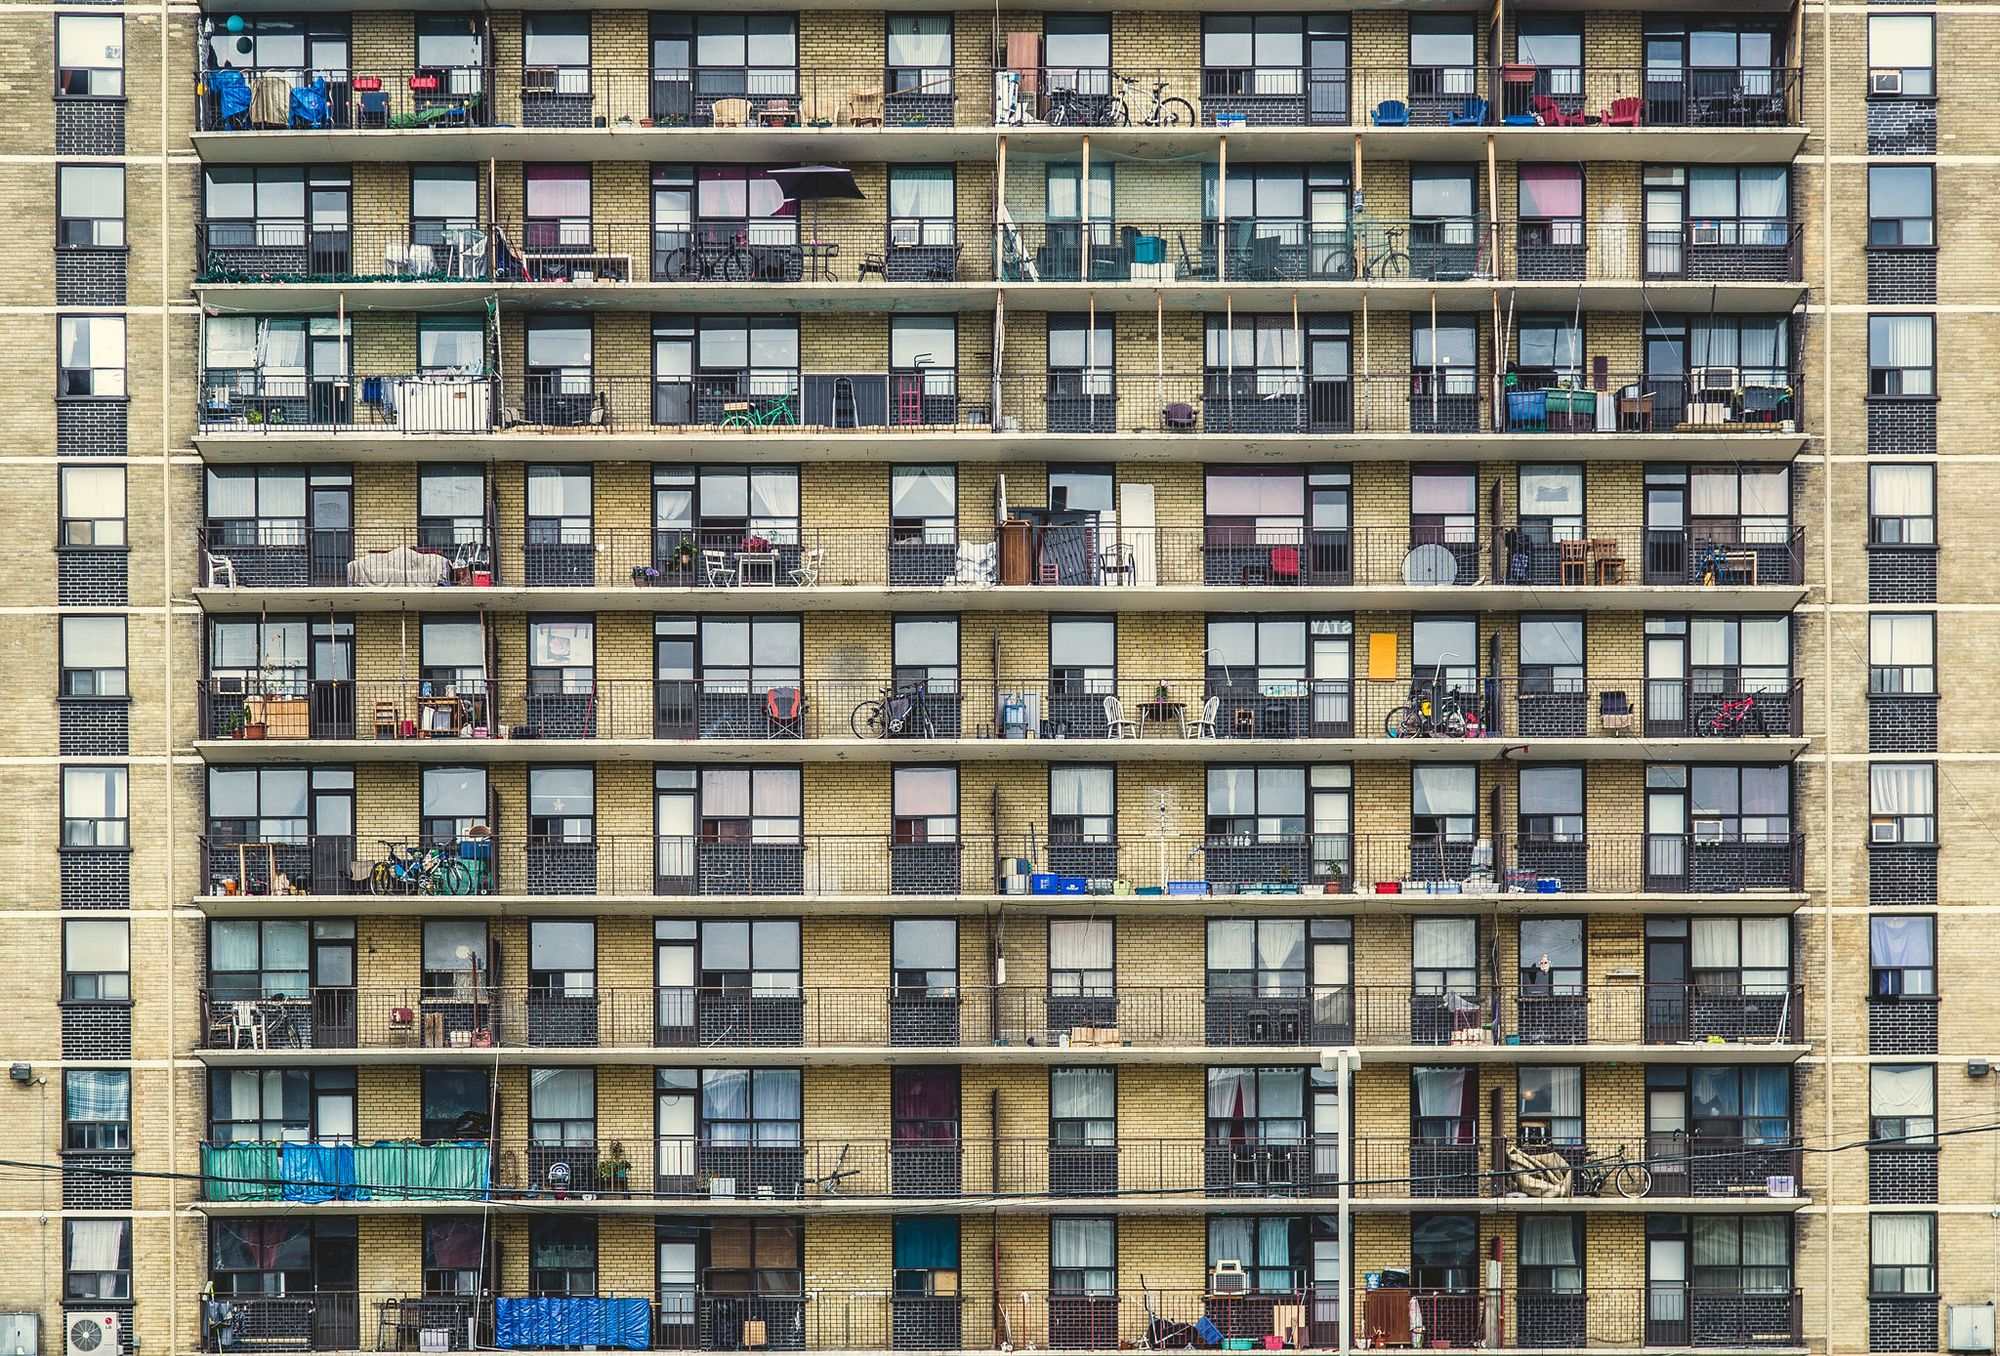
(1196, 719)
(1518, 99)
(873, 867)
(1675, 1168)
(1515, 1021)
(1657, 1314)
(315, 1174)
(1598, 563)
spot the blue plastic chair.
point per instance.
(1392, 113)
(1472, 115)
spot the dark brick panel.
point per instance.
(90, 127)
(1902, 873)
(1903, 1324)
(96, 879)
(97, 1030)
(1902, 426)
(91, 577)
(1898, 277)
(90, 277)
(1902, 127)
(1902, 1027)
(1902, 722)
(1902, 574)
(94, 727)
(1903, 1175)
(87, 1185)
(90, 428)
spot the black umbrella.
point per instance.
(815, 183)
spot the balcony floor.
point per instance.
(942, 145)
(1765, 750)
(1728, 598)
(979, 444)
(1615, 297)
(1748, 902)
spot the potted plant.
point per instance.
(1160, 693)
(756, 543)
(229, 724)
(683, 557)
(645, 574)
(614, 1171)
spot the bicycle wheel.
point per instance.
(1117, 114)
(1633, 1180)
(736, 420)
(381, 879)
(453, 877)
(1394, 264)
(866, 722)
(1451, 723)
(1402, 723)
(736, 266)
(1176, 113)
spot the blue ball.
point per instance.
(234, 23)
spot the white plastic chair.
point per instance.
(807, 574)
(721, 574)
(1203, 726)
(220, 569)
(1116, 722)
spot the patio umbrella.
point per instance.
(814, 184)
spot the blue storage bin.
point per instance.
(476, 850)
(1071, 885)
(1149, 249)
(1187, 887)
(1042, 883)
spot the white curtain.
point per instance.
(96, 1244)
(1080, 791)
(1080, 1244)
(1548, 1241)
(1078, 944)
(1900, 1240)
(1901, 491)
(562, 1094)
(1440, 1092)
(1082, 1094)
(1901, 1090)
(1902, 789)
(1897, 943)
(1444, 944)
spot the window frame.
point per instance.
(97, 1134)
(109, 833)
(1883, 376)
(1901, 221)
(66, 377)
(1881, 988)
(1905, 522)
(63, 88)
(103, 682)
(66, 221)
(1929, 70)
(1905, 1130)
(1886, 677)
(1925, 826)
(119, 1278)
(1903, 1273)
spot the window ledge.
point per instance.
(78, 699)
(1929, 547)
(62, 399)
(93, 249)
(93, 1002)
(1902, 399)
(1927, 847)
(93, 850)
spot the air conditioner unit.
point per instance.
(1717, 379)
(538, 79)
(229, 687)
(1885, 82)
(1708, 831)
(1708, 233)
(1885, 831)
(94, 1333)
(1228, 1278)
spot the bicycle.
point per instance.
(828, 1183)
(1174, 112)
(1629, 1177)
(1436, 712)
(769, 412)
(1731, 716)
(711, 263)
(426, 871)
(1391, 262)
(1075, 108)
(898, 711)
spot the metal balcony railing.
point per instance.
(1712, 860)
(1230, 704)
(485, 1016)
(1457, 1162)
(1398, 95)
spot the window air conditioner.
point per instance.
(1707, 233)
(93, 1333)
(538, 79)
(1717, 379)
(1884, 831)
(1885, 82)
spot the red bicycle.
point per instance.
(1730, 717)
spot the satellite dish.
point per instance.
(1430, 564)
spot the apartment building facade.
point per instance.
(1295, 681)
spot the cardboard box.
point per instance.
(753, 1333)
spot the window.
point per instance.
(1901, 46)
(1901, 359)
(1744, 1254)
(1444, 956)
(1902, 505)
(1741, 804)
(751, 805)
(443, 198)
(924, 1107)
(1748, 1106)
(754, 1257)
(90, 56)
(1551, 805)
(1552, 1255)
(1444, 500)
(248, 959)
(454, 951)
(450, 44)
(924, 804)
(562, 805)
(93, 807)
(251, 507)
(451, 506)
(1742, 955)
(1444, 1105)
(1746, 205)
(1551, 347)
(1082, 357)
(97, 1110)
(562, 1106)
(269, 1257)
(457, 1104)
(1551, 205)
(1082, 805)
(1445, 650)
(1728, 655)
(1271, 1249)
(556, 48)
(923, 957)
(1902, 803)
(1261, 956)
(1444, 802)
(1902, 1254)
(1441, 55)
(1902, 1103)
(93, 657)
(921, 210)
(562, 958)
(1901, 205)
(92, 507)
(1552, 655)
(449, 345)
(293, 1106)
(923, 503)
(1444, 1251)
(1083, 1254)
(454, 1255)
(726, 503)
(1902, 956)
(559, 506)
(98, 1259)
(1076, 49)
(562, 1257)
(927, 346)
(1902, 654)
(556, 204)
(750, 1107)
(924, 1256)
(918, 52)
(1083, 655)
(1256, 805)
(91, 359)
(1066, 200)
(1256, 1106)
(90, 206)
(1082, 958)
(452, 800)
(738, 53)
(759, 957)
(1552, 956)
(1083, 1108)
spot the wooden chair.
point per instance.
(864, 107)
(1117, 724)
(730, 113)
(777, 113)
(388, 720)
(719, 572)
(820, 109)
(1573, 562)
(1607, 561)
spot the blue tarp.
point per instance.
(582, 1322)
(319, 1172)
(232, 93)
(309, 105)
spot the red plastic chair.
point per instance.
(1551, 115)
(784, 705)
(1624, 112)
(1285, 564)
